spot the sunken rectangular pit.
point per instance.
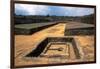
(56, 47)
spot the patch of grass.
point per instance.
(30, 26)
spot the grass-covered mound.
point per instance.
(25, 29)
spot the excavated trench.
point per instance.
(47, 44)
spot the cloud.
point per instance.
(29, 9)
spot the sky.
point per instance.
(29, 9)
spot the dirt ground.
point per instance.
(24, 44)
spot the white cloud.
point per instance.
(32, 9)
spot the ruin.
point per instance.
(56, 47)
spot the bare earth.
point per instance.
(26, 43)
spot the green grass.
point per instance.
(30, 26)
